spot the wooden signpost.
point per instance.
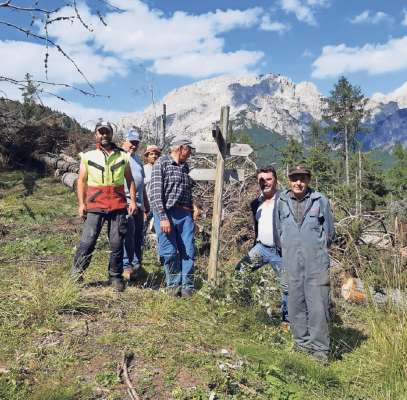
(222, 149)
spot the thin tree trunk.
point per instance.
(346, 156)
(360, 182)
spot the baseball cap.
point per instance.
(151, 148)
(133, 135)
(299, 170)
(182, 141)
(104, 124)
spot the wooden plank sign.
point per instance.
(209, 174)
(233, 149)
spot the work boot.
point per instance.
(320, 357)
(187, 293)
(300, 349)
(173, 291)
(77, 278)
(117, 285)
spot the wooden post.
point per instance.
(221, 140)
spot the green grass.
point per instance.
(58, 341)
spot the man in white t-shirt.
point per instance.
(267, 248)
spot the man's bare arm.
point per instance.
(82, 185)
(132, 190)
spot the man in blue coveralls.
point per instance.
(306, 228)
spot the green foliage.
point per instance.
(397, 175)
(346, 108)
(319, 158)
(30, 110)
(292, 153)
(345, 111)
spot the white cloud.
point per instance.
(404, 22)
(366, 17)
(20, 57)
(304, 9)
(320, 3)
(372, 58)
(199, 65)
(273, 26)
(143, 34)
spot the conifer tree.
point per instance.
(345, 111)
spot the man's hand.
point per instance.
(133, 209)
(165, 226)
(82, 211)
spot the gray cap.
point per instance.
(182, 141)
(104, 124)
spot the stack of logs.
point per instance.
(66, 167)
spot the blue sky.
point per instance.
(165, 44)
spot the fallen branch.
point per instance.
(127, 357)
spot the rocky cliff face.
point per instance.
(271, 102)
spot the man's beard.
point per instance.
(107, 144)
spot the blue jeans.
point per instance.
(133, 244)
(176, 249)
(261, 255)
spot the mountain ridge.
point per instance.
(270, 101)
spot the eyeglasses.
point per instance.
(134, 142)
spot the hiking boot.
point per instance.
(77, 278)
(173, 291)
(301, 349)
(320, 357)
(187, 293)
(117, 285)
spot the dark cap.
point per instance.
(299, 170)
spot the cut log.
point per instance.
(66, 168)
(69, 179)
(353, 290)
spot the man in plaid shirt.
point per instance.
(174, 215)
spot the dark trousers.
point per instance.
(116, 230)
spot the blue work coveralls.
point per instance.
(305, 256)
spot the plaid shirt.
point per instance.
(170, 186)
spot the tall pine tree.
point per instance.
(345, 111)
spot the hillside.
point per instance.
(58, 341)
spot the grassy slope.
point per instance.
(61, 342)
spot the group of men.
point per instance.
(293, 228)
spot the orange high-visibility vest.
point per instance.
(105, 190)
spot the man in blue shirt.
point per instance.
(133, 246)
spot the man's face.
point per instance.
(267, 182)
(152, 157)
(299, 184)
(184, 153)
(104, 136)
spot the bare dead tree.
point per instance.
(33, 14)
